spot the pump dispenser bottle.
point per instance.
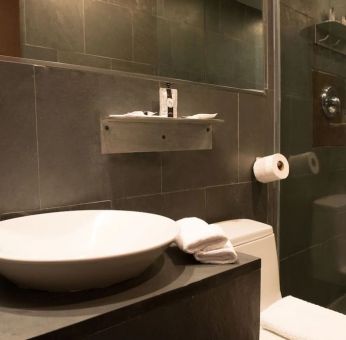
(168, 101)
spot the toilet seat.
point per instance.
(293, 318)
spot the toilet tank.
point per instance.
(257, 239)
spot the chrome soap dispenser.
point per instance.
(168, 101)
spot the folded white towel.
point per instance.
(296, 319)
(202, 116)
(135, 114)
(224, 255)
(196, 235)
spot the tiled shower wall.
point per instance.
(51, 159)
(303, 259)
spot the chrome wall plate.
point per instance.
(331, 103)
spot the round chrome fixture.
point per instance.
(330, 101)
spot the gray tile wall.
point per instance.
(214, 41)
(51, 159)
(298, 248)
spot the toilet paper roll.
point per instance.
(304, 164)
(271, 168)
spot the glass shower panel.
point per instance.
(313, 198)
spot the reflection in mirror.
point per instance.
(212, 41)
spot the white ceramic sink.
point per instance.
(76, 250)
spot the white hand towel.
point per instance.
(202, 116)
(224, 255)
(196, 235)
(135, 114)
(296, 319)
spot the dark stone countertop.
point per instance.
(27, 313)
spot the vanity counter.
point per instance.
(175, 296)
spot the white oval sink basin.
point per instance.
(77, 250)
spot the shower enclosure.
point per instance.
(312, 237)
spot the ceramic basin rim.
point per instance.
(81, 260)
(174, 231)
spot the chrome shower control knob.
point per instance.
(330, 102)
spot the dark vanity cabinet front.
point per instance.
(176, 298)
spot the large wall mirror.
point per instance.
(219, 42)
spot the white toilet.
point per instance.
(257, 239)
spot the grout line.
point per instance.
(169, 192)
(89, 54)
(115, 4)
(302, 251)
(24, 22)
(55, 207)
(238, 139)
(41, 46)
(284, 4)
(132, 36)
(37, 141)
(161, 172)
(84, 41)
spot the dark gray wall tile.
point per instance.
(317, 9)
(69, 129)
(219, 42)
(256, 132)
(186, 53)
(205, 168)
(71, 166)
(148, 6)
(296, 209)
(108, 30)
(83, 59)
(232, 18)
(246, 200)
(40, 53)
(185, 204)
(297, 135)
(164, 45)
(212, 15)
(310, 285)
(150, 204)
(121, 94)
(175, 205)
(298, 194)
(134, 174)
(19, 187)
(129, 66)
(221, 59)
(297, 65)
(145, 38)
(102, 205)
(189, 12)
(62, 19)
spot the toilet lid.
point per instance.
(244, 230)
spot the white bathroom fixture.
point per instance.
(257, 239)
(77, 250)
